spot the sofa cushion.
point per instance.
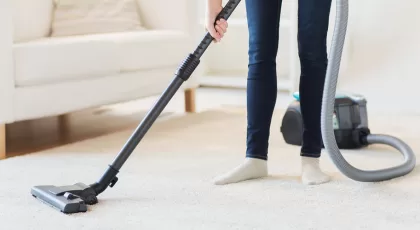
(31, 19)
(81, 17)
(69, 58)
(151, 49)
(98, 55)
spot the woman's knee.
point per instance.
(261, 54)
(313, 50)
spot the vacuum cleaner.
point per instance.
(350, 121)
(75, 198)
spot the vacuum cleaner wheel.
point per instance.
(292, 127)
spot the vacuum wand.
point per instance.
(183, 73)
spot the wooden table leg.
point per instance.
(2, 141)
(189, 95)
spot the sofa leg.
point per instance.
(63, 122)
(2, 141)
(189, 95)
(63, 126)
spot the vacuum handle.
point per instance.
(228, 10)
(225, 14)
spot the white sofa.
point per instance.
(44, 76)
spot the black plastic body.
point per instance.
(350, 122)
(88, 194)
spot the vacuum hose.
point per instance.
(328, 109)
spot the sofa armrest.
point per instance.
(169, 14)
(6, 63)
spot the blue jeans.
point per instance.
(263, 25)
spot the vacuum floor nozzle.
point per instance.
(67, 199)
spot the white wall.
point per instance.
(385, 38)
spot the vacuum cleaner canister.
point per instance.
(349, 121)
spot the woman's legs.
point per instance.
(263, 25)
(263, 22)
(312, 34)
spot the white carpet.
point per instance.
(166, 183)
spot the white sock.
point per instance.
(311, 172)
(251, 168)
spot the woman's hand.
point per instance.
(218, 30)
